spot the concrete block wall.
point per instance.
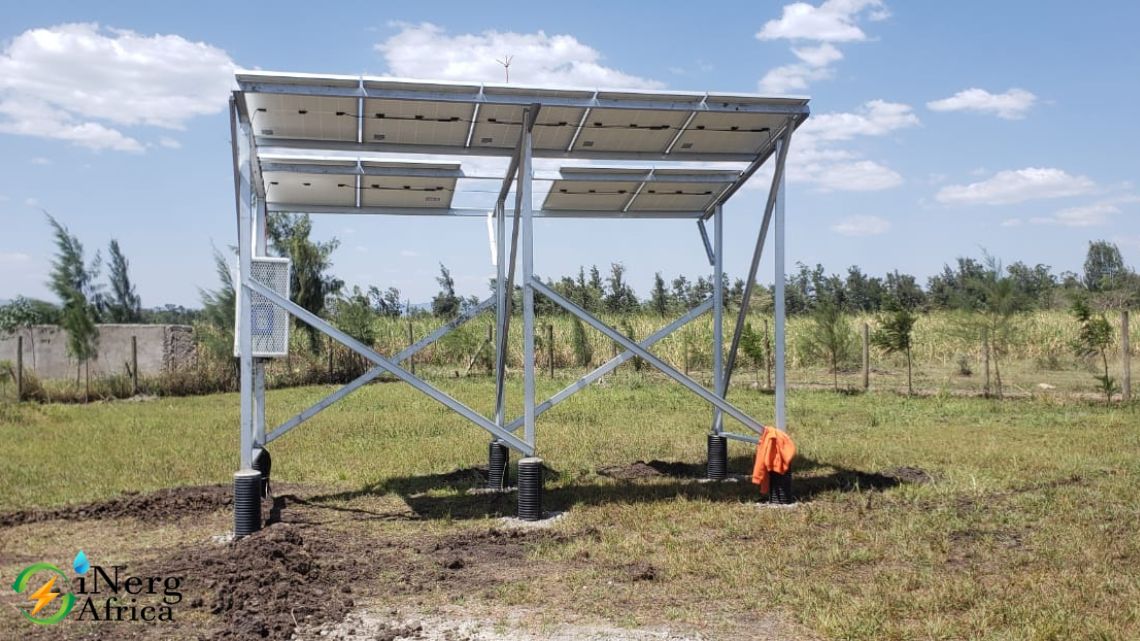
(161, 348)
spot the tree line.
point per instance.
(989, 292)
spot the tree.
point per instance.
(25, 312)
(830, 336)
(580, 343)
(755, 348)
(72, 279)
(445, 304)
(310, 284)
(386, 303)
(218, 312)
(1094, 339)
(620, 298)
(893, 336)
(123, 304)
(988, 305)
(1104, 266)
(659, 298)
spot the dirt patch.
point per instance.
(160, 506)
(908, 474)
(631, 472)
(266, 585)
(653, 469)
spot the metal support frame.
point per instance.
(613, 363)
(639, 351)
(718, 377)
(781, 379)
(773, 204)
(371, 374)
(389, 366)
(252, 210)
(242, 192)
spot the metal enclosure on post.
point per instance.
(327, 144)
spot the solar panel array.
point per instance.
(366, 115)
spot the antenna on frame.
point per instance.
(506, 62)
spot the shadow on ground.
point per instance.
(449, 496)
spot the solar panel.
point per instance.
(303, 117)
(635, 131)
(618, 190)
(298, 183)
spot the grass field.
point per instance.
(1027, 531)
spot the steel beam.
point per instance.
(295, 144)
(502, 310)
(637, 350)
(781, 378)
(360, 348)
(297, 208)
(470, 94)
(705, 241)
(613, 363)
(527, 223)
(364, 378)
(245, 247)
(742, 316)
(718, 314)
(745, 438)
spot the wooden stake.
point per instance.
(19, 368)
(866, 357)
(550, 347)
(412, 358)
(1126, 358)
(134, 366)
(767, 354)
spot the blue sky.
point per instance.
(938, 129)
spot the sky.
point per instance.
(938, 129)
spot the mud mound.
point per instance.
(654, 468)
(163, 505)
(908, 474)
(267, 584)
(633, 471)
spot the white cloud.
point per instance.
(832, 21)
(859, 226)
(1011, 222)
(1015, 186)
(875, 118)
(408, 253)
(814, 158)
(169, 143)
(1011, 105)
(861, 175)
(31, 201)
(426, 50)
(12, 258)
(40, 160)
(78, 82)
(1093, 215)
(820, 56)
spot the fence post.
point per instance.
(134, 365)
(19, 368)
(767, 354)
(412, 358)
(986, 357)
(1126, 356)
(550, 347)
(866, 357)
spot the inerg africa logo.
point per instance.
(43, 585)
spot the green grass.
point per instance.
(1029, 531)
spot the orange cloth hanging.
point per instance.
(774, 453)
